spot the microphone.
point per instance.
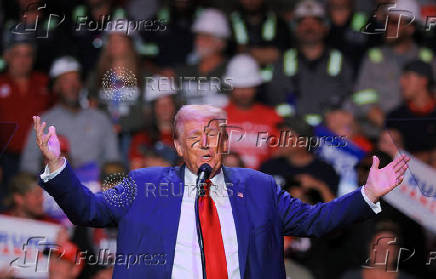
(204, 172)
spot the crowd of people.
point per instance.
(111, 74)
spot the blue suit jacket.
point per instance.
(262, 213)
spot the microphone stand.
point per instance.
(200, 234)
(203, 174)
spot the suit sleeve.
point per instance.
(302, 219)
(83, 207)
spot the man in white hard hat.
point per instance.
(200, 81)
(244, 112)
(78, 125)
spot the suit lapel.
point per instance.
(235, 190)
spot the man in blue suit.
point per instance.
(230, 227)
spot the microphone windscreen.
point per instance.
(206, 169)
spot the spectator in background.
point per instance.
(383, 255)
(345, 30)
(89, 41)
(116, 86)
(244, 114)
(46, 22)
(25, 199)
(63, 262)
(159, 156)
(312, 76)
(342, 123)
(78, 125)
(233, 160)
(259, 31)
(377, 90)
(390, 142)
(200, 81)
(173, 40)
(415, 118)
(159, 133)
(23, 93)
(297, 161)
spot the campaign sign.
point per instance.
(416, 196)
(22, 245)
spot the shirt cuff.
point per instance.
(374, 206)
(46, 175)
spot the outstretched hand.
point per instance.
(382, 181)
(48, 144)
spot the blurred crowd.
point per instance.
(110, 75)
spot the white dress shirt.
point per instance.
(187, 259)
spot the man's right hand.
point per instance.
(48, 144)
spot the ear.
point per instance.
(224, 143)
(178, 147)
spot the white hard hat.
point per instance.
(307, 8)
(157, 86)
(212, 21)
(63, 65)
(243, 72)
(407, 8)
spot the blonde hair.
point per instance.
(198, 112)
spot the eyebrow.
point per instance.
(193, 132)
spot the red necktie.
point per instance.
(215, 257)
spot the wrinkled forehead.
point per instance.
(199, 126)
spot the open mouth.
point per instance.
(206, 157)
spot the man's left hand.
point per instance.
(382, 181)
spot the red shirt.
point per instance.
(143, 139)
(18, 106)
(258, 122)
